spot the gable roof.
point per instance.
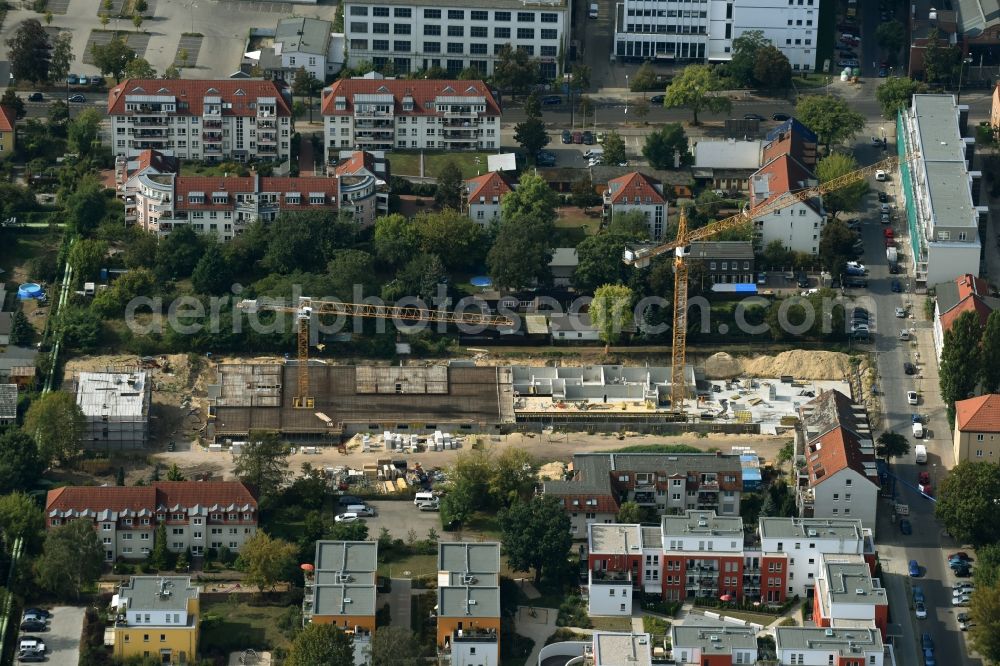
(166, 494)
(184, 186)
(966, 293)
(359, 159)
(635, 184)
(778, 176)
(832, 409)
(423, 91)
(979, 414)
(489, 185)
(240, 94)
(8, 119)
(835, 451)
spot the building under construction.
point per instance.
(116, 407)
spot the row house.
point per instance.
(197, 515)
(637, 192)
(839, 478)
(213, 121)
(847, 594)
(340, 590)
(468, 603)
(831, 646)
(374, 113)
(600, 482)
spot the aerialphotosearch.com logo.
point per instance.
(187, 315)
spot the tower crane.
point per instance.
(307, 307)
(641, 257)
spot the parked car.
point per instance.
(883, 197)
(926, 641)
(761, 278)
(802, 281)
(349, 517)
(921, 611)
(900, 313)
(577, 137)
(962, 572)
(905, 527)
(31, 643)
(881, 175)
(40, 612)
(896, 287)
(77, 99)
(964, 586)
(96, 80)
(36, 97)
(33, 624)
(551, 100)
(914, 569)
(964, 622)
(912, 398)
(657, 99)
(588, 138)
(753, 116)
(780, 117)
(961, 555)
(918, 594)
(31, 656)
(429, 506)
(545, 159)
(348, 500)
(567, 136)
(962, 599)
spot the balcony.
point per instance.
(158, 133)
(146, 122)
(212, 123)
(148, 109)
(466, 113)
(708, 487)
(609, 577)
(212, 150)
(265, 139)
(377, 135)
(372, 114)
(268, 123)
(267, 149)
(374, 124)
(474, 635)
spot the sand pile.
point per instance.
(797, 363)
(553, 470)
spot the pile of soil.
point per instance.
(798, 363)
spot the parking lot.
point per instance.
(62, 640)
(399, 517)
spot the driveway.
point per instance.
(62, 640)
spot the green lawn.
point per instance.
(417, 565)
(812, 81)
(612, 623)
(220, 169)
(655, 625)
(407, 163)
(241, 626)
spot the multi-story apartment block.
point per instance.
(724, 262)
(704, 30)
(468, 595)
(806, 541)
(839, 479)
(340, 590)
(703, 642)
(615, 567)
(372, 113)
(940, 194)
(410, 35)
(214, 120)
(638, 192)
(157, 617)
(601, 482)
(819, 646)
(977, 429)
(846, 593)
(115, 407)
(483, 194)
(604, 648)
(797, 227)
(197, 515)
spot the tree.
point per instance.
(183, 56)
(941, 60)
(173, 71)
(21, 331)
(745, 49)
(895, 94)
(458, 505)
(267, 560)
(20, 464)
(174, 473)
(614, 148)
(891, 36)
(178, 254)
(20, 516)
(86, 258)
(11, 100)
(348, 268)
(985, 632)
(536, 535)
(891, 445)
(533, 198)
(212, 274)
(836, 246)
(159, 556)
(629, 513)
(113, 58)
(514, 70)
(776, 255)
(580, 77)
(611, 312)
(141, 6)
(450, 186)
(83, 134)
(531, 135)
(987, 571)
(990, 364)
(966, 502)
(396, 239)
(694, 89)
(29, 52)
(512, 476)
(306, 85)
(81, 329)
(664, 144)
(104, 19)
(644, 78)
(62, 58)
(633, 224)
(600, 261)
(137, 21)
(57, 424)
(771, 68)
(830, 117)
(263, 462)
(71, 559)
(961, 360)
(140, 68)
(321, 644)
(583, 194)
(120, 477)
(522, 250)
(395, 646)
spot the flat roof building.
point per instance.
(702, 641)
(116, 407)
(818, 645)
(468, 627)
(166, 608)
(340, 590)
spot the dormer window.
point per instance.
(340, 104)
(317, 198)
(220, 197)
(196, 197)
(293, 198)
(407, 103)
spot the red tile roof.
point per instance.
(835, 451)
(240, 93)
(980, 414)
(625, 188)
(605, 503)
(971, 292)
(161, 493)
(185, 185)
(794, 143)
(782, 174)
(359, 159)
(423, 91)
(489, 185)
(8, 119)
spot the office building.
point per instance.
(157, 617)
(212, 121)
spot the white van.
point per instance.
(593, 10)
(918, 432)
(920, 451)
(423, 497)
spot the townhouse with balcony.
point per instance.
(212, 121)
(839, 479)
(157, 617)
(847, 595)
(940, 193)
(406, 36)
(340, 590)
(638, 192)
(374, 113)
(197, 515)
(825, 646)
(704, 642)
(615, 567)
(806, 541)
(483, 196)
(600, 482)
(468, 595)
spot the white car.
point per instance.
(912, 398)
(881, 175)
(901, 313)
(885, 208)
(904, 334)
(921, 611)
(30, 643)
(964, 586)
(857, 265)
(961, 600)
(349, 517)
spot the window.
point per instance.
(145, 638)
(432, 30)
(501, 33)
(396, 46)
(549, 17)
(359, 11)
(456, 31)
(432, 13)
(548, 51)
(377, 45)
(107, 526)
(401, 29)
(380, 28)
(432, 47)
(501, 16)
(525, 17)
(479, 15)
(479, 31)
(380, 11)
(530, 50)
(477, 49)
(359, 27)
(525, 33)
(456, 14)
(549, 33)
(402, 12)
(455, 47)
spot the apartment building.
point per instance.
(704, 30)
(797, 227)
(724, 262)
(637, 192)
(468, 595)
(839, 479)
(197, 515)
(792, 138)
(611, 648)
(115, 407)
(157, 617)
(703, 642)
(940, 194)
(805, 541)
(483, 196)
(819, 646)
(615, 567)
(966, 293)
(846, 593)
(340, 590)
(212, 121)
(601, 482)
(977, 429)
(409, 35)
(374, 113)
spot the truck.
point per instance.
(892, 256)
(920, 454)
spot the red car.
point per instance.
(924, 479)
(577, 137)
(888, 232)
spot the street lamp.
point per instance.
(961, 70)
(627, 89)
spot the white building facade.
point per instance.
(704, 30)
(797, 227)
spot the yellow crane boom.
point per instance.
(641, 257)
(308, 306)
